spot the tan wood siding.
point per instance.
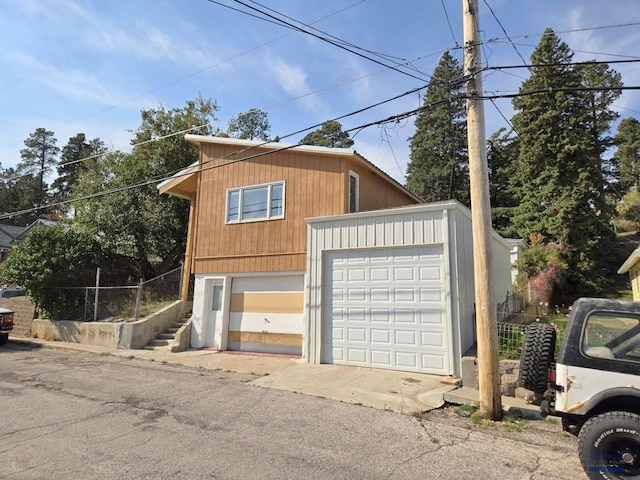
(273, 245)
(375, 192)
(315, 185)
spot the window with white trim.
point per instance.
(257, 202)
(354, 192)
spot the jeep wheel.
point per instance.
(4, 337)
(609, 446)
(537, 355)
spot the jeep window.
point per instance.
(612, 336)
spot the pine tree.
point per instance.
(501, 155)
(77, 155)
(561, 131)
(439, 166)
(40, 154)
(330, 134)
(627, 156)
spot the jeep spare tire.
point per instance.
(537, 355)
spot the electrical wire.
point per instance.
(322, 38)
(504, 31)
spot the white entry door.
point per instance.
(387, 308)
(215, 318)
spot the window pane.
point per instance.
(232, 206)
(609, 336)
(277, 205)
(217, 298)
(254, 203)
(353, 194)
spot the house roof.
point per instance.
(40, 221)
(182, 184)
(8, 233)
(630, 262)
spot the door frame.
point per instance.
(220, 328)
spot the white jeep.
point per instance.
(594, 385)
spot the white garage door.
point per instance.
(386, 308)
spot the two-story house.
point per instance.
(247, 239)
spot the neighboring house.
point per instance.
(632, 265)
(40, 222)
(313, 250)
(7, 235)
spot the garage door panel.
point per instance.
(432, 294)
(406, 337)
(375, 313)
(381, 358)
(380, 336)
(405, 317)
(357, 355)
(379, 274)
(357, 335)
(380, 315)
(404, 274)
(405, 295)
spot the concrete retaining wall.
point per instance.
(130, 335)
(23, 317)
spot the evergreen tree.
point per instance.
(41, 154)
(439, 166)
(251, 125)
(559, 166)
(330, 134)
(627, 156)
(501, 156)
(77, 155)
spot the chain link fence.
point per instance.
(123, 302)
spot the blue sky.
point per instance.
(90, 66)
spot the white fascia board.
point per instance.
(269, 145)
(630, 262)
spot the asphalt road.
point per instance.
(74, 415)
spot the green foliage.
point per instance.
(51, 258)
(561, 137)
(76, 158)
(330, 134)
(40, 153)
(137, 222)
(627, 155)
(251, 125)
(501, 158)
(629, 208)
(439, 164)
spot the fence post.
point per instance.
(181, 279)
(86, 303)
(138, 297)
(95, 307)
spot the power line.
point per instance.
(446, 14)
(393, 118)
(320, 37)
(504, 31)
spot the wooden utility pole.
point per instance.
(488, 365)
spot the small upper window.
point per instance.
(354, 192)
(259, 202)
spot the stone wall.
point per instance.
(23, 317)
(509, 371)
